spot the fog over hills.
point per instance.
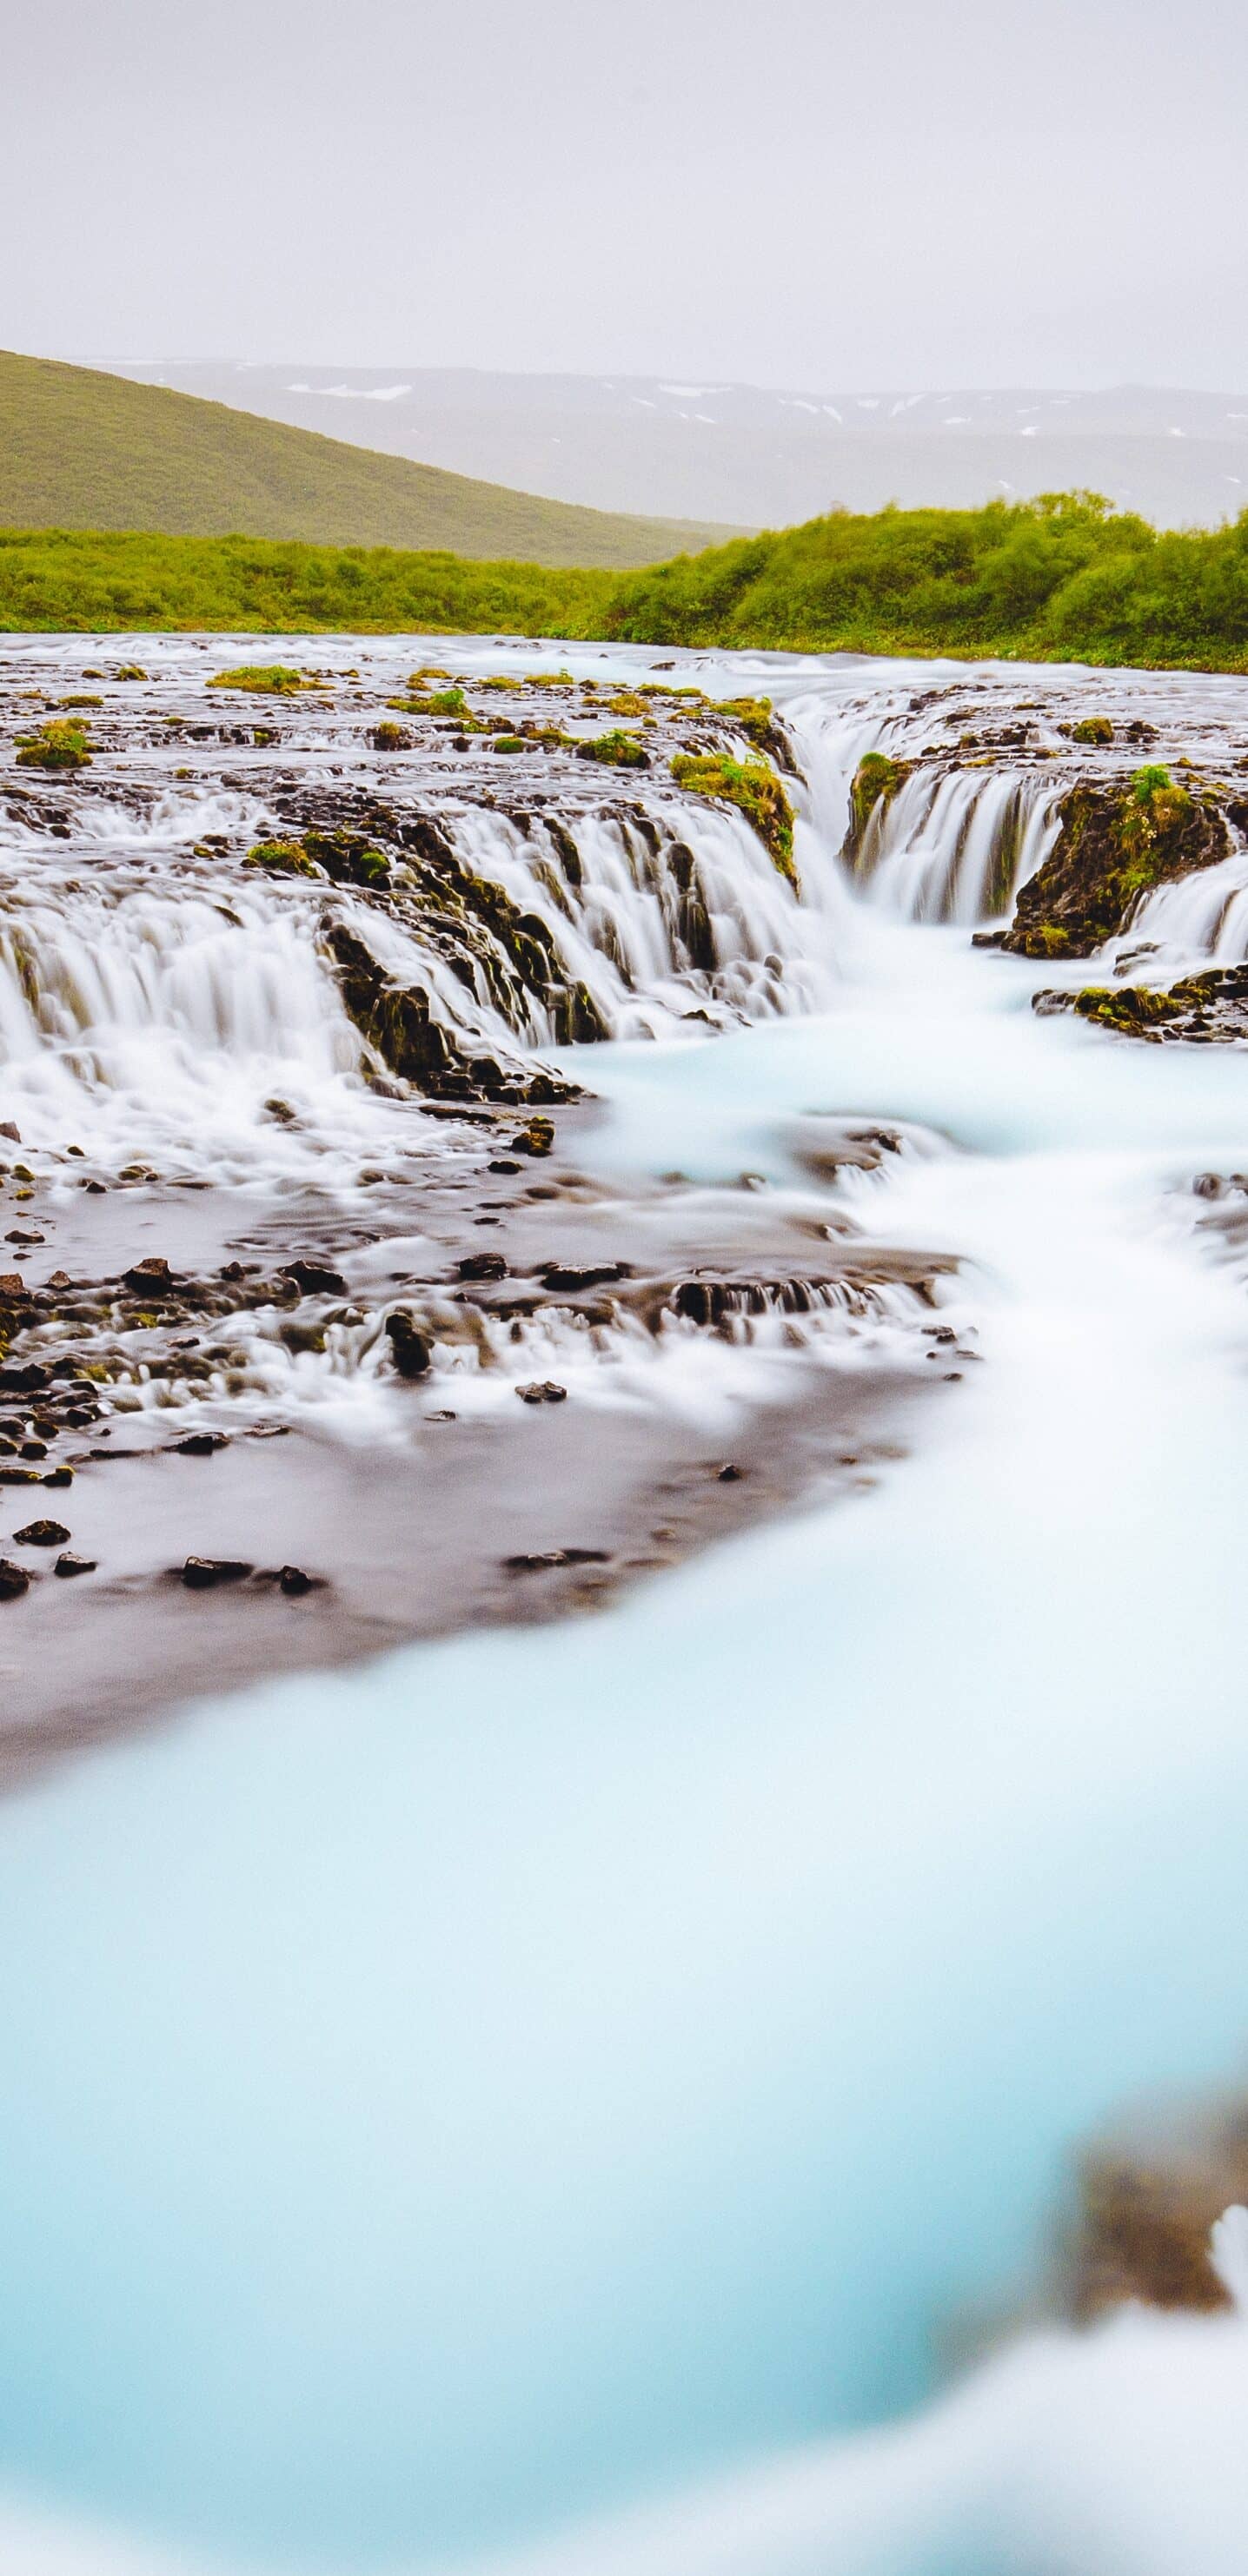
(753, 457)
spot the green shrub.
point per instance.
(59, 744)
(270, 679)
(615, 750)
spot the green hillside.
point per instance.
(79, 449)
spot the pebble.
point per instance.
(203, 1573)
(542, 1391)
(42, 1534)
(69, 1564)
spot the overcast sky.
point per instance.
(798, 193)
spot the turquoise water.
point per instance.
(504, 2083)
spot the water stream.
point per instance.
(528, 2076)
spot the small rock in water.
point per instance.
(203, 1573)
(1207, 1185)
(503, 1164)
(12, 1131)
(483, 1265)
(315, 1279)
(12, 1284)
(556, 1556)
(730, 1475)
(24, 1235)
(42, 1534)
(14, 1580)
(200, 1444)
(542, 1391)
(408, 1345)
(60, 1279)
(294, 1582)
(58, 1476)
(150, 1276)
(536, 1138)
(69, 1564)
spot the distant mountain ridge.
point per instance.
(80, 448)
(754, 457)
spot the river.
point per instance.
(529, 2076)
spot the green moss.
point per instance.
(390, 737)
(750, 716)
(1092, 729)
(1129, 1008)
(614, 750)
(130, 671)
(273, 679)
(756, 792)
(82, 702)
(62, 743)
(876, 780)
(282, 858)
(348, 857)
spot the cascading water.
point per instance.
(528, 2075)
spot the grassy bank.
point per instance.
(1062, 579)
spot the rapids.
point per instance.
(528, 2076)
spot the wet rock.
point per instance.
(482, 1265)
(542, 1391)
(729, 1474)
(552, 1557)
(150, 1278)
(58, 1476)
(200, 1444)
(571, 1277)
(1206, 1009)
(1115, 843)
(1145, 2211)
(42, 1534)
(68, 1565)
(25, 1235)
(11, 1130)
(204, 1573)
(537, 1138)
(12, 1283)
(294, 1582)
(14, 1580)
(408, 1345)
(1208, 1185)
(315, 1279)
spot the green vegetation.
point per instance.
(750, 716)
(62, 743)
(282, 858)
(271, 679)
(754, 789)
(616, 750)
(1092, 729)
(876, 779)
(1064, 578)
(80, 449)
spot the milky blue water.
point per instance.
(503, 2083)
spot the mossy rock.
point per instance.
(263, 679)
(390, 737)
(282, 858)
(350, 858)
(1114, 846)
(876, 781)
(62, 743)
(756, 792)
(614, 750)
(1092, 729)
(1204, 1008)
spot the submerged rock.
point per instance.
(14, 1580)
(204, 1573)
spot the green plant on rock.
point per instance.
(750, 716)
(1092, 729)
(615, 751)
(61, 743)
(756, 792)
(390, 737)
(876, 781)
(282, 858)
(263, 679)
(130, 671)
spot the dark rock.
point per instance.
(69, 1564)
(152, 1277)
(542, 1391)
(1115, 843)
(42, 1534)
(502, 1165)
(204, 1573)
(409, 1346)
(294, 1582)
(556, 1556)
(200, 1444)
(483, 1265)
(1206, 1009)
(58, 1476)
(315, 1279)
(11, 1130)
(730, 1475)
(1207, 1185)
(14, 1580)
(25, 1235)
(536, 1138)
(567, 1274)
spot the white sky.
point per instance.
(786, 192)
